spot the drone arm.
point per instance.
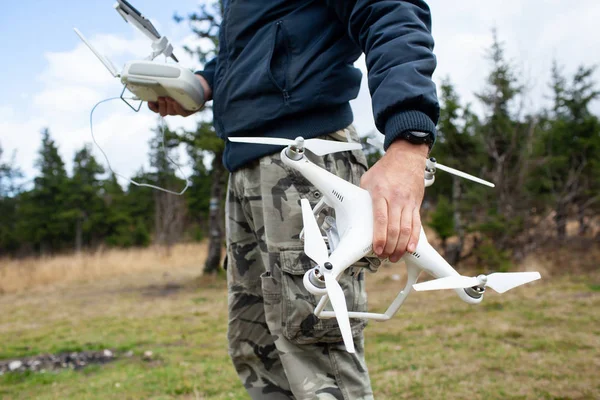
(429, 260)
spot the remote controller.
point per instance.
(148, 80)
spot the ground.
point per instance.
(541, 341)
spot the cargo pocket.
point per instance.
(299, 324)
(271, 289)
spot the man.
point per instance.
(285, 69)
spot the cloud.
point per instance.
(71, 83)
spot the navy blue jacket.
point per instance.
(285, 69)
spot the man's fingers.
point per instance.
(182, 111)
(380, 224)
(171, 106)
(393, 229)
(153, 106)
(162, 106)
(178, 109)
(405, 232)
(416, 231)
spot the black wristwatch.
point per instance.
(417, 137)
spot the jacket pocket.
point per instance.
(279, 60)
(299, 323)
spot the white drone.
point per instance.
(350, 239)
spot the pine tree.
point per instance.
(507, 137)
(86, 206)
(570, 147)
(456, 145)
(169, 209)
(205, 24)
(9, 197)
(44, 218)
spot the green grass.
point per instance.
(540, 342)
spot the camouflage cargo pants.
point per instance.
(279, 348)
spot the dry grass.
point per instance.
(537, 342)
(19, 275)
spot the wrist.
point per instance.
(405, 147)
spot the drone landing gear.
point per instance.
(413, 272)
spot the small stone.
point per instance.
(107, 353)
(147, 355)
(15, 365)
(118, 385)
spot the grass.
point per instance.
(30, 273)
(539, 342)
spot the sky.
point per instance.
(51, 80)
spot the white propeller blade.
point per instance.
(499, 281)
(263, 140)
(375, 143)
(463, 175)
(504, 281)
(316, 249)
(319, 147)
(314, 245)
(448, 282)
(338, 302)
(379, 144)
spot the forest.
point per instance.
(545, 164)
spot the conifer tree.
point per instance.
(205, 23)
(570, 149)
(44, 218)
(9, 197)
(86, 206)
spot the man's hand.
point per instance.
(167, 106)
(396, 185)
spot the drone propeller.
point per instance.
(461, 174)
(499, 281)
(432, 163)
(320, 147)
(316, 249)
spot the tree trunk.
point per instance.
(561, 220)
(78, 235)
(213, 260)
(583, 226)
(453, 253)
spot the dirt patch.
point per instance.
(54, 362)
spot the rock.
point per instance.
(107, 353)
(148, 355)
(15, 365)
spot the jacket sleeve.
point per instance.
(396, 38)
(208, 72)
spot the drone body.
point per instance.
(352, 239)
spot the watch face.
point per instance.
(418, 137)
